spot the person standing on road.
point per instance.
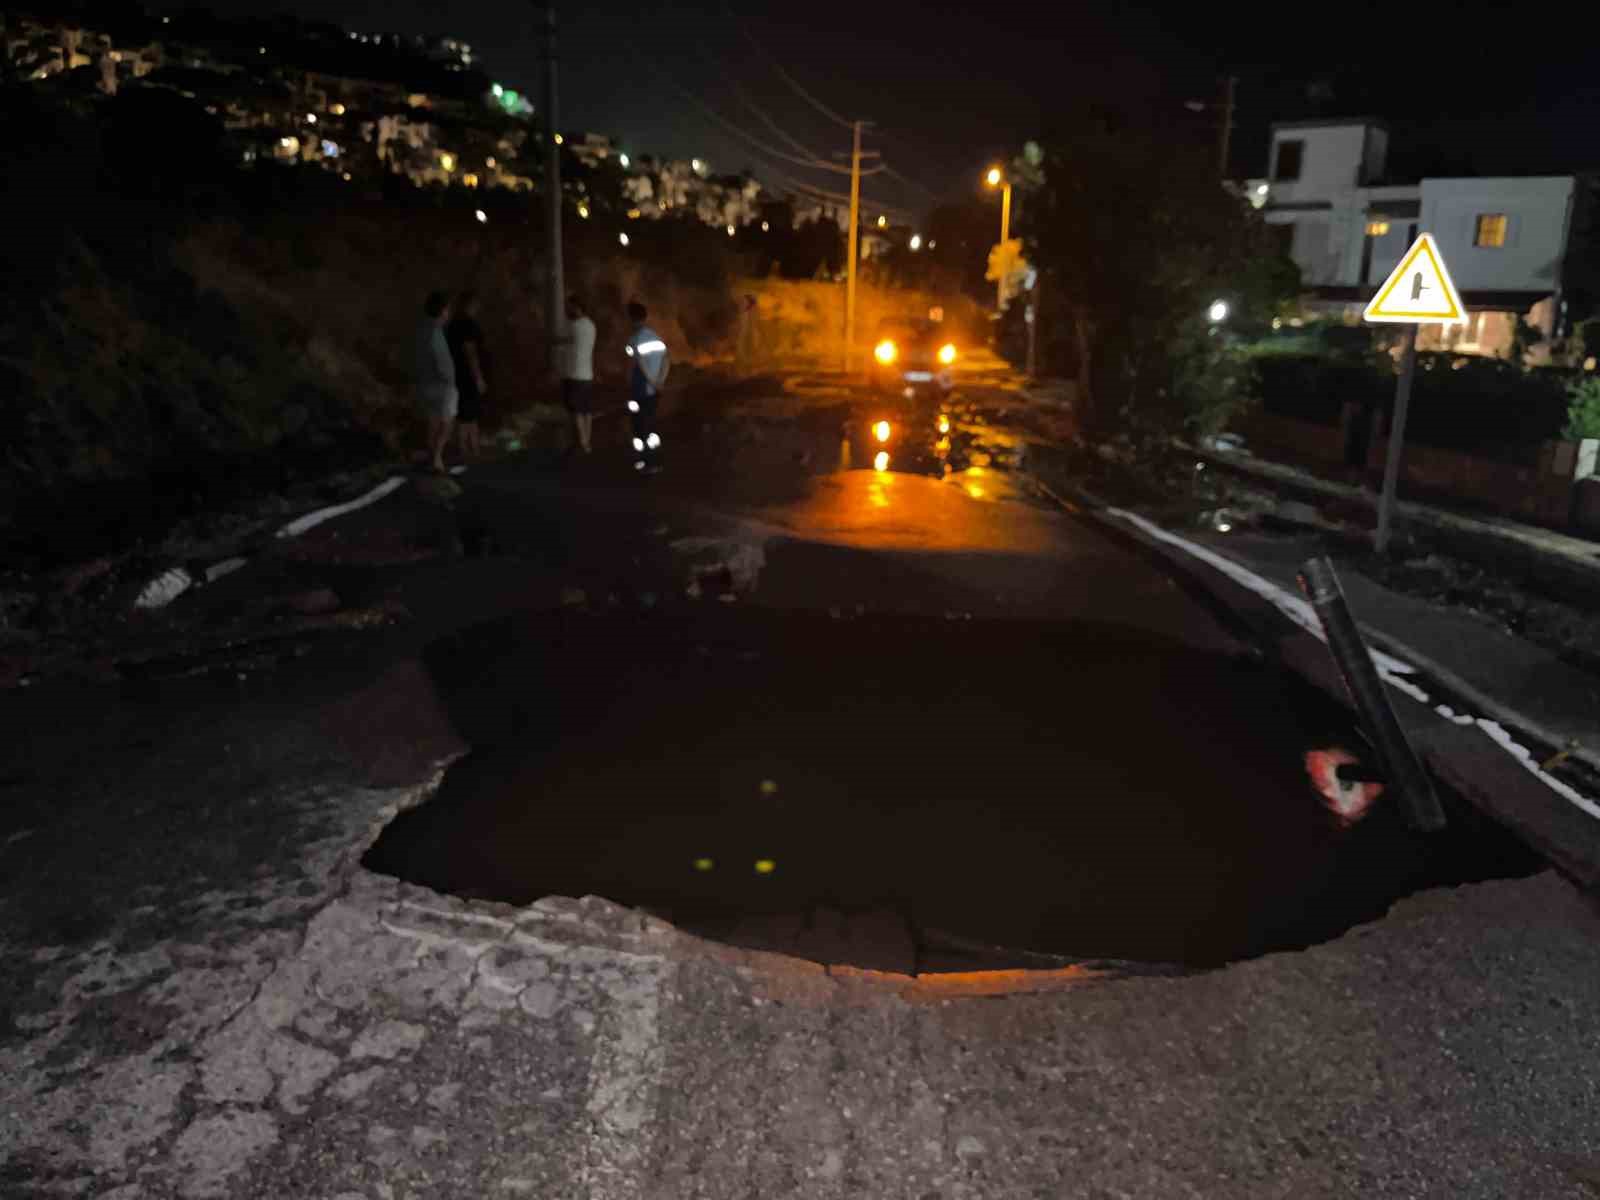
(648, 354)
(436, 376)
(471, 364)
(577, 372)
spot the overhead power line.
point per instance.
(770, 123)
(811, 191)
(782, 74)
(756, 142)
(906, 179)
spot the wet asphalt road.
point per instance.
(201, 996)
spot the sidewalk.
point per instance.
(1554, 558)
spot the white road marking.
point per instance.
(312, 519)
(1391, 669)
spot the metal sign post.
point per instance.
(1419, 291)
(1397, 437)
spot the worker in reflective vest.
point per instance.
(650, 365)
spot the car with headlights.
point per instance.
(913, 355)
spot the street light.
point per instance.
(997, 178)
(916, 241)
(1218, 312)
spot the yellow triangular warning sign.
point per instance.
(1419, 291)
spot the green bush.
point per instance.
(1583, 413)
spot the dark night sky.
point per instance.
(952, 86)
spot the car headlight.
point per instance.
(947, 353)
(885, 352)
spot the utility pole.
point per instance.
(850, 253)
(1226, 134)
(555, 288)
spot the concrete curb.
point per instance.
(1472, 538)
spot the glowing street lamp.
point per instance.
(483, 217)
(1218, 312)
(916, 241)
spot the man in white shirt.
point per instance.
(648, 354)
(577, 371)
(436, 376)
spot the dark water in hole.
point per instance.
(1079, 789)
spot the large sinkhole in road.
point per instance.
(897, 792)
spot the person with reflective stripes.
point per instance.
(650, 364)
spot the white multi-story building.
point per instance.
(1504, 239)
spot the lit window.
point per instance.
(1490, 230)
(1290, 156)
(470, 180)
(1377, 228)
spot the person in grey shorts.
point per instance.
(436, 376)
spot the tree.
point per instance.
(1136, 237)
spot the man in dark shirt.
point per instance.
(465, 337)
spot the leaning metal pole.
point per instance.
(1396, 756)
